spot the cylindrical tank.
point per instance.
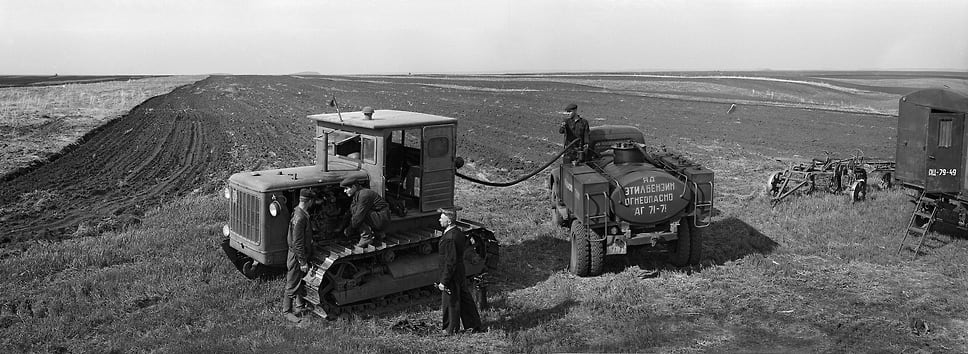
(647, 194)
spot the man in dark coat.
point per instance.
(574, 128)
(370, 212)
(457, 303)
(300, 243)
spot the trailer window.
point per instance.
(944, 133)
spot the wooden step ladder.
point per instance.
(927, 208)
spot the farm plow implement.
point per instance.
(853, 175)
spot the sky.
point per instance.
(160, 37)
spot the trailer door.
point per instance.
(437, 161)
(944, 152)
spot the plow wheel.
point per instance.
(773, 183)
(579, 249)
(858, 191)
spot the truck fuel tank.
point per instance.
(646, 194)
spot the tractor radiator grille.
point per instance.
(246, 215)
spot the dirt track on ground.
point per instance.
(192, 139)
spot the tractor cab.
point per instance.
(409, 157)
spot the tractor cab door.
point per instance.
(944, 152)
(437, 164)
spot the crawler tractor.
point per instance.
(624, 195)
(407, 157)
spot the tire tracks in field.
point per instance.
(159, 150)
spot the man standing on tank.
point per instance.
(574, 128)
(370, 212)
(456, 303)
(300, 243)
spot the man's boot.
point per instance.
(286, 304)
(364, 242)
(300, 306)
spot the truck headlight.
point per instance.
(226, 230)
(227, 193)
(274, 208)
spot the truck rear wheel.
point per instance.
(682, 248)
(695, 242)
(596, 249)
(579, 249)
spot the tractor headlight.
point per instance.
(274, 208)
(227, 193)
(226, 230)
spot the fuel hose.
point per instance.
(522, 179)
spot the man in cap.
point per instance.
(300, 243)
(574, 128)
(370, 212)
(368, 113)
(456, 302)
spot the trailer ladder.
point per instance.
(921, 220)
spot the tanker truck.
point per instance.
(624, 194)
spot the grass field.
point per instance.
(818, 274)
(815, 274)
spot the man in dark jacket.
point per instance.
(457, 303)
(300, 243)
(574, 128)
(370, 212)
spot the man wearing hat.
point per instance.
(575, 128)
(370, 212)
(456, 303)
(300, 243)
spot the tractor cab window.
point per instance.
(345, 144)
(353, 146)
(402, 161)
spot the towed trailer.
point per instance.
(853, 175)
(932, 161)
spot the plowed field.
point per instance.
(193, 138)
